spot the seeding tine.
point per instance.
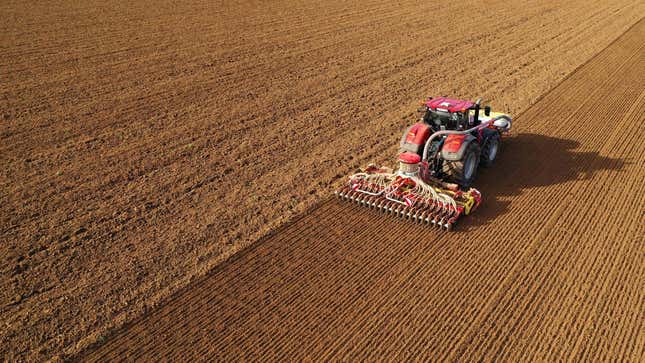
(370, 201)
(380, 205)
(404, 212)
(428, 217)
(397, 210)
(388, 207)
(385, 206)
(388, 192)
(415, 216)
(425, 217)
(393, 208)
(420, 217)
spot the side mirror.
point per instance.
(487, 111)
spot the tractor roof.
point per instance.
(452, 105)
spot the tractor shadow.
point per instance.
(530, 161)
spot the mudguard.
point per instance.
(455, 145)
(487, 133)
(414, 138)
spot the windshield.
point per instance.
(449, 120)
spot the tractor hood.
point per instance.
(448, 104)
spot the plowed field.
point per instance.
(551, 268)
(143, 143)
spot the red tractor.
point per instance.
(437, 165)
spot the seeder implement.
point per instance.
(409, 197)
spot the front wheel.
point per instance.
(463, 171)
(490, 150)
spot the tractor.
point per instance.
(438, 163)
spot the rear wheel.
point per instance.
(490, 150)
(463, 171)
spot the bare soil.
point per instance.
(550, 269)
(143, 144)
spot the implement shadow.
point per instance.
(529, 161)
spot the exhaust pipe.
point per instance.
(477, 105)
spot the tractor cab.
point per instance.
(450, 114)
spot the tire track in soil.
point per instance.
(346, 282)
(587, 188)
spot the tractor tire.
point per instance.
(463, 171)
(490, 150)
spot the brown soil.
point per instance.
(550, 269)
(142, 144)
